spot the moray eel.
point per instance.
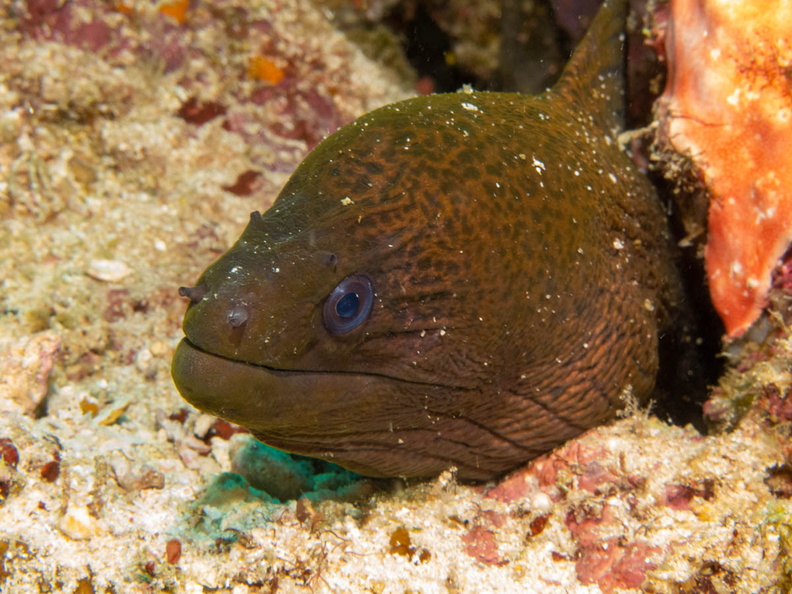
(457, 280)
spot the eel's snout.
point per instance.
(216, 317)
(210, 383)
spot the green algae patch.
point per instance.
(287, 476)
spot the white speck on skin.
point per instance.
(346, 200)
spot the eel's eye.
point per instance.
(349, 304)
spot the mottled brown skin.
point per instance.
(523, 277)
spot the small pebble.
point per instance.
(144, 360)
(138, 479)
(160, 349)
(203, 424)
(110, 413)
(25, 367)
(110, 271)
(51, 471)
(8, 452)
(542, 503)
(173, 551)
(77, 523)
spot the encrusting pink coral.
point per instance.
(728, 104)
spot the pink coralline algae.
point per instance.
(480, 544)
(103, 27)
(728, 105)
(679, 496)
(609, 561)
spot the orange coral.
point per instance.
(177, 10)
(124, 8)
(262, 68)
(728, 104)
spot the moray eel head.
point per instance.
(362, 318)
(462, 280)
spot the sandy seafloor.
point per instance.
(112, 195)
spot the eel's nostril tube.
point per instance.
(237, 316)
(194, 294)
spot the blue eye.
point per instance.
(349, 304)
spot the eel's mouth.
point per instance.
(239, 391)
(289, 403)
(194, 349)
(372, 424)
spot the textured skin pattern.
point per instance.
(523, 274)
